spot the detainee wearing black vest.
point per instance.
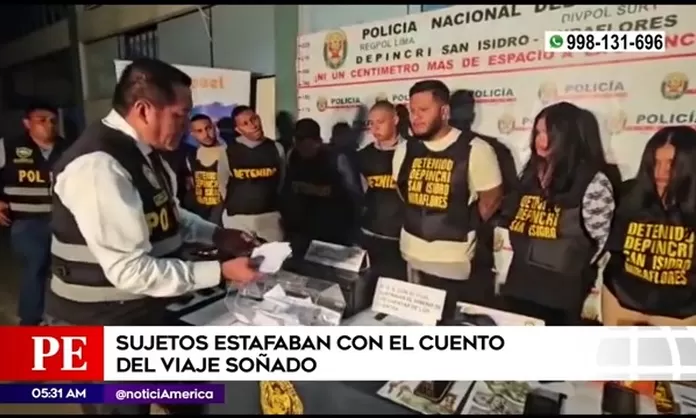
(203, 167)
(117, 228)
(442, 175)
(323, 196)
(383, 214)
(25, 203)
(650, 277)
(251, 178)
(558, 221)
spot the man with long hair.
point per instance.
(650, 276)
(558, 220)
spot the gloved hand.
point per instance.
(234, 243)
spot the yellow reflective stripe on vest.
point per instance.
(88, 294)
(27, 191)
(82, 254)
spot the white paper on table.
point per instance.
(274, 255)
(502, 256)
(409, 301)
(685, 396)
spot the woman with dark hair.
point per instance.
(558, 221)
(590, 133)
(650, 276)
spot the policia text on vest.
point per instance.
(27, 177)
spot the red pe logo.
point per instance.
(52, 353)
(71, 349)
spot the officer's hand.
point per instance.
(5, 214)
(239, 270)
(233, 242)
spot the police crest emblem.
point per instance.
(279, 397)
(24, 155)
(335, 49)
(674, 85)
(24, 152)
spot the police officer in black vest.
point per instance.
(383, 215)
(25, 203)
(252, 178)
(558, 221)
(117, 229)
(203, 163)
(322, 196)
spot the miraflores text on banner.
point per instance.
(142, 354)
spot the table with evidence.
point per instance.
(337, 397)
(317, 397)
(359, 397)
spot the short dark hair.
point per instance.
(307, 128)
(34, 106)
(150, 79)
(238, 110)
(439, 90)
(200, 116)
(384, 105)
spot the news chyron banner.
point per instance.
(497, 52)
(216, 91)
(407, 353)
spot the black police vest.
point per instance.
(552, 250)
(384, 208)
(254, 182)
(80, 292)
(435, 187)
(318, 190)
(206, 188)
(651, 269)
(26, 177)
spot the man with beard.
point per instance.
(203, 167)
(443, 176)
(252, 177)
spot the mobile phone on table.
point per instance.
(433, 390)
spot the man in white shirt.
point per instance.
(117, 227)
(443, 175)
